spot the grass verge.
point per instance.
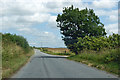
(108, 60)
(13, 58)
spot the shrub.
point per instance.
(98, 43)
(18, 40)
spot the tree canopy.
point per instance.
(74, 23)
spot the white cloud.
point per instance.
(104, 3)
(46, 32)
(37, 18)
(25, 29)
(112, 28)
(113, 18)
(106, 12)
(21, 15)
(36, 12)
(52, 21)
(42, 38)
(109, 15)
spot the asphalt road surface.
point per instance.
(43, 65)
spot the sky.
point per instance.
(36, 19)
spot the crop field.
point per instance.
(58, 50)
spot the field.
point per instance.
(57, 51)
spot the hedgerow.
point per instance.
(18, 40)
(98, 43)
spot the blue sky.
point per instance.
(36, 19)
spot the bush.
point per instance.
(113, 56)
(15, 53)
(18, 40)
(98, 43)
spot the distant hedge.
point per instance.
(17, 39)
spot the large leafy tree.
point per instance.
(74, 23)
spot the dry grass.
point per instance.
(107, 60)
(14, 57)
(57, 51)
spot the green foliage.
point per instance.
(18, 40)
(15, 53)
(97, 43)
(114, 40)
(108, 58)
(113, 56)
(76, 23)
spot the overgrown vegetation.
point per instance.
(97, 43)
(106, 59)
(85, 35)
(18, 40)
(74, 23)
(15, 53)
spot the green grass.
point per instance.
(13, 59)
(14, 56)
(14, 62)
(108, 60)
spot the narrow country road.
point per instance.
(43, 65)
